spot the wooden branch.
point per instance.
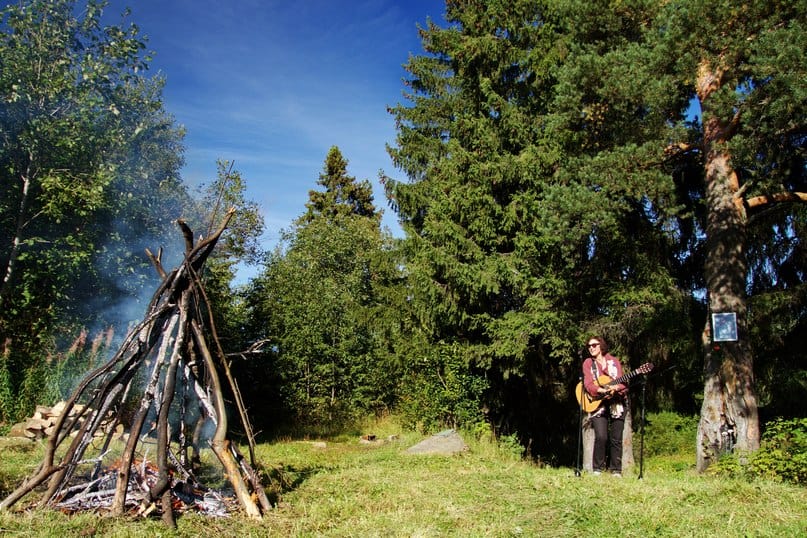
(169, 342)
(255, 348)
(252, 478)
(119, 501)
(765, 199)
(205, 246)
(161, 487)
(47, 468)
(156, 261)
(220, 443)
(734, 124)
(100, 405)
(678, 148)
(103, 399)
(187, 234)
(239, 400)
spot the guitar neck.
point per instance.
(626, 377)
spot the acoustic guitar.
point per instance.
(590, 404)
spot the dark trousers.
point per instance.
(607, 437)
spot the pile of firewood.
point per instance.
(43, 422)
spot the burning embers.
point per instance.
(164, 386)
(98, 493)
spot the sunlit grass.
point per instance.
(343, 487)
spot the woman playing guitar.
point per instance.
(608, 420)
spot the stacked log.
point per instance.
(43, 422)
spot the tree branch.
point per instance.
(765, 199)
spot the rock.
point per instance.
(447, 442)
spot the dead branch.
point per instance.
(156, 261)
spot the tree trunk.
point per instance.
(627, 439)
(16, 241)
(729, 417)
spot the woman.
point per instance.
(608, 420)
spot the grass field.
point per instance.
(340, 487)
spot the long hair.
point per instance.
(603, 345)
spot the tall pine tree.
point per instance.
(558, 183)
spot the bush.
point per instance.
(668, 433)
(730, 465)
(441, 391)
(8, 405)
(782, 455)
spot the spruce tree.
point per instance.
(559, 183)
(317, 302)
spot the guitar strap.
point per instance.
(596, 377)
(594, 372)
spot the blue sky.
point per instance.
(272, 85)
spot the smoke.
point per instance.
(108, 300)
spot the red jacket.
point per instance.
(613, 369)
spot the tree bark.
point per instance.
(16, 241)
(729, 415)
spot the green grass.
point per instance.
(352, 489)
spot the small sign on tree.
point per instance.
(724, 327)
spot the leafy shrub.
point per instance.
(782, 455)
(668, 433)
(441, 391)
(482, 430)
(729, 465)
(7, 403)
(484, 441)
(511, 447)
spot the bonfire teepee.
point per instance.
(164, 384)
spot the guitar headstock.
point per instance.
(645, 368)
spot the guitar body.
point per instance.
(590, 404)
(586, 401)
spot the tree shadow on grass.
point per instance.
(282, 479)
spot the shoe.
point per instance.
(616, 474)
(597, 473)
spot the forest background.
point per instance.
(568, 171)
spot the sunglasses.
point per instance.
(596, 344)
